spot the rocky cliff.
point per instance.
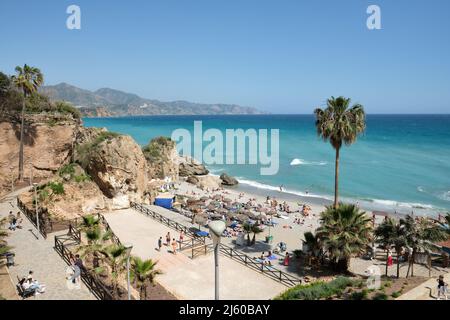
(48, 146)
(115, 163)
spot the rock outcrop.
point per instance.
(117, 165)
(208, 182)
(162, 159)
(228, 180)
(191, 167)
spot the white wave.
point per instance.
(420, 189)
(411, 205)
(298, 162)
(445, 196)
(263, 186)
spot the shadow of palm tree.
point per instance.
(29, 133)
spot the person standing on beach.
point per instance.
(168, 238)
(174, 246)
(159, 243)
(181, 236)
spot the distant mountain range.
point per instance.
(107, 102)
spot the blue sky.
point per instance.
(279, 56)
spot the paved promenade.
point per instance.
(38, 255)
(184, 277)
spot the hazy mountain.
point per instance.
(110, 102)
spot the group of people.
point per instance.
(28, 283)
(15, 221)
(170, 242)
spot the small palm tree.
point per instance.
(247, 227)
(89, 222)
(143, 273)
(391, 234)
(96, 239)
(256, 229)
(115, 255)
(28, 79)
(313, 243)
(340, 124)
(421, 235)
(344, 232)
(4, 248)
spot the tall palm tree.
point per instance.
(28, 79)
(340, 123)
(345, 231)
(115, 254)
(421, 235)
(391, 234)
(142, 273)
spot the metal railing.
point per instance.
(164, 220)
(62, 246)
(199, 247)
(270, 271)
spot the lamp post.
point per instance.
(36, 208)
(128, 248)
(216, 227)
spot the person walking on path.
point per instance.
(174, 246)
(160, 243)
(168, 238)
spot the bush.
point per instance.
(66, 108)
(396, 294)
(380, 296)
(317, 290)
(56, 187)
(67, 169)
(153, 150)
(359, 295)
(82, 178)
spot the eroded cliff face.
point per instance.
(48, 145)
(162, 159)
(115, 163)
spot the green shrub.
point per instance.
(67, 169)
(153, 150)
(67, 108)
(359, 295)
(56, 187)
(82, 178)
(380, 296)
(388, 284)
(317, 290)
(396, 294)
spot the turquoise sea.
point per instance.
(401, 163)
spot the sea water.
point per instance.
(401, 163)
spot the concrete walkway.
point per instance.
(426, 291)
(182, 276)
(37, 254)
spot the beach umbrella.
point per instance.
(241, 217)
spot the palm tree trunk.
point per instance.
(387, 261)
(336, 179)
(398, 264)
(21, 140)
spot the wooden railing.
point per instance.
(270, 271)
(199, 247)
(63, 243)
(46, 225)
(164, 220)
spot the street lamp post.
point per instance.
(216, 227)
(128, 248)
